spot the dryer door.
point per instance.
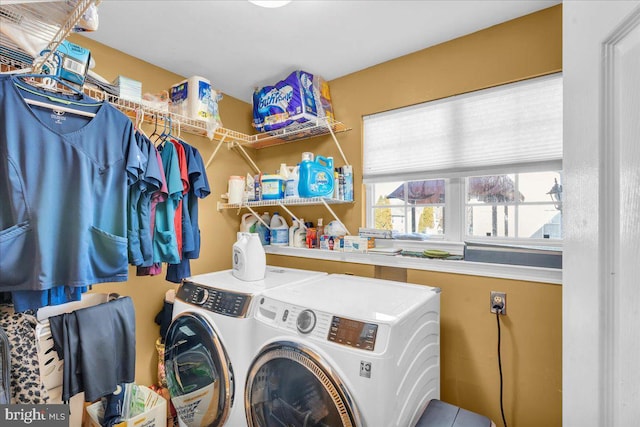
(290, 385)
(199, 373)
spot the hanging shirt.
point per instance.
(136, 191)
(154, 181)
(165, 246)
(184, 177)
(198, 188)
(63, 190)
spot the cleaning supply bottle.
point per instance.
(249, 260)
(248, 223)
(348, 182)
(291, 187)
(315, 176)
(279, 230)
(300, 235)
(295, 225)
(320, 228)
(263, 230)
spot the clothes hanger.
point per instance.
(166, 132)
(139, 121)
(53, 98)
(155, 129)
(55, 82)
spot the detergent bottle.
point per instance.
(300, 235)
(315, 176)
(295, 225)
(248, 223)
(291, 187)
(263, 230)
(279, 230)
(249, 260)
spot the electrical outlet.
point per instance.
(498, 299)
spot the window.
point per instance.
(483, 165)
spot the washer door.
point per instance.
(289, 385)
(199, 373)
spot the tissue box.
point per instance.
(331, 243)
(155, 416)
(358, 244)
(299, 98)
(74, 63)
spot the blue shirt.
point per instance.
(198, 188)
(63, 190)
(165, 245)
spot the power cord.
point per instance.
(498, 311)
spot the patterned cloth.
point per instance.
(26, 383)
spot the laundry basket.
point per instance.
(51, 366)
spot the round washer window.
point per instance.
(199, 375)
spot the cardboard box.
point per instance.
(375, 232)
(358, 244)
(74, 63)
(156, 416)
(331, 243)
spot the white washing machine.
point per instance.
(208, 344)
(344, 351)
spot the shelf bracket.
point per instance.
(63, 32)
(215, 151)
(326, 205)
(287, 211)
(333, 135)
(255, 167)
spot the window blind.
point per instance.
(514, 127)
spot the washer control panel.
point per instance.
(323, 326)
(219, 301)
(306, 321)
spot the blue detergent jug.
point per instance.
(316, 177)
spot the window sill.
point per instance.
(503, 271)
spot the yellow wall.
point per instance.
(218, 231)
(531, 332)
(518, 49)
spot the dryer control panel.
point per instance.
(219, 301)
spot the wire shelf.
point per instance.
(295, 201)
(296, 132)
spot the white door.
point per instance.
(601, 273)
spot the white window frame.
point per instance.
(455, 194)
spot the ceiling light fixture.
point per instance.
(270, 3)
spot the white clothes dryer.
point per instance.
(208, 344)
(344, 351)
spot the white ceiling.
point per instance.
(238, 45)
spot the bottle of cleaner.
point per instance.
(300, 235)
(320, 228)
(291, 187)
(315, 177)
(295, 225)
(263, 230)
(348, 182)
(279, 231)
(248, 259)
(248, 223)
